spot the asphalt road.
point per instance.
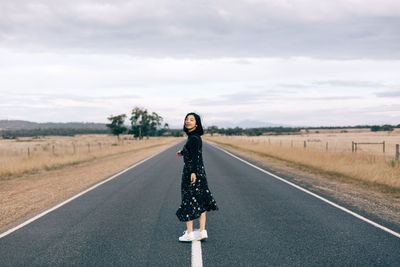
(261, 221)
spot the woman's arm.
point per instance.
(193, 148)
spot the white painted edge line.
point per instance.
(197, 259)
(79, 194)
(313, 194)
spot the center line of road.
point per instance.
(197, 260)
(313, 194)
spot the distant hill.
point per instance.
(27, 125)
(246, 124)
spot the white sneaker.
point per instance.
(201, 235)
(187, 237)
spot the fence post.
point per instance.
(305, 144)
(397, 151)
(29, 152)
(353, 146)
(326, 147)
(383, 146)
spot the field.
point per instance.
(330, 152)
(32, 155)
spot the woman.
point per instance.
(196, 197)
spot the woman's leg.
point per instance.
(189, 226)
(203, 221)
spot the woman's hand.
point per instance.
(193, 178)
(179, 153)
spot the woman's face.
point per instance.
(190, 122)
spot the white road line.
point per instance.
(197, 259)
(78, 195)
(313, 194)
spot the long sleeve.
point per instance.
(194, 144)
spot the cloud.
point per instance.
(73, 87)
(241, 98)
(350, 83)
(250, 99)
(182, 29)
(392, 93)
(333, 98)
(64, 107)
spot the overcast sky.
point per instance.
(299, 62)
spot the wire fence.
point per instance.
(388, 148)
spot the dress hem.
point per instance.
(196, 216)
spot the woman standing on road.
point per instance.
(196, 197)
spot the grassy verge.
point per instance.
(314, 163)
(58, 152)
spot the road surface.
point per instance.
(262, 221)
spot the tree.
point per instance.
(137, 118)
(375, 128)
(212, 129)
(143, 123)
(117, 124)
(155, 121)
(387, 127)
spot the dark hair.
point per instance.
(199, 129)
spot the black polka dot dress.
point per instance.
(196, 198)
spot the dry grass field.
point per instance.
(31, 155)
(329, 152)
